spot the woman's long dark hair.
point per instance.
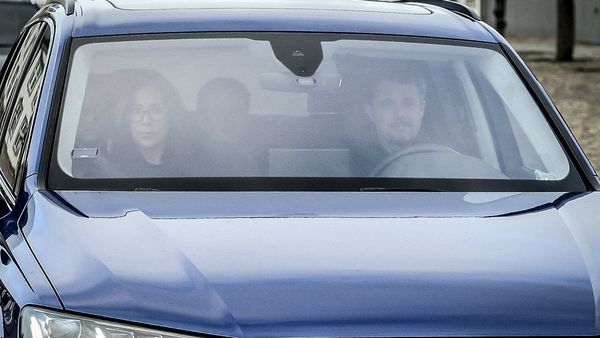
(124, 151)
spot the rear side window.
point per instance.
(19, 99)
(16, 67)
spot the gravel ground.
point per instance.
(574, 87)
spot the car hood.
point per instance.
(529, 271)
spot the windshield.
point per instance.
(277, 107)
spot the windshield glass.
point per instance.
(276, 106)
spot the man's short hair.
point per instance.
(409, 77)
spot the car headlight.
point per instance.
(38, 323)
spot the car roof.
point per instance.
(115, 17)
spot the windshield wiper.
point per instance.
(382, 189)
(146, 189)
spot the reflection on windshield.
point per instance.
(230, 108)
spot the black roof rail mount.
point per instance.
(69, 5)
(449, 5)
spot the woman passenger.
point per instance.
(147, 143)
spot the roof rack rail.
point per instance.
(69, 5)
(450, 5)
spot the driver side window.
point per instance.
(19, 98)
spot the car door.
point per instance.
(20, 88)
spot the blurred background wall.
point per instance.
(538, 18)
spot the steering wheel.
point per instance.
(410, 151)
(429, 160)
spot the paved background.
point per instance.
(574, 87)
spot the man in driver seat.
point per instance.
(396, 108)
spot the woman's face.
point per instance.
(148, 120)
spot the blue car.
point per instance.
(277, 168)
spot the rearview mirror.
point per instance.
(288, 82)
